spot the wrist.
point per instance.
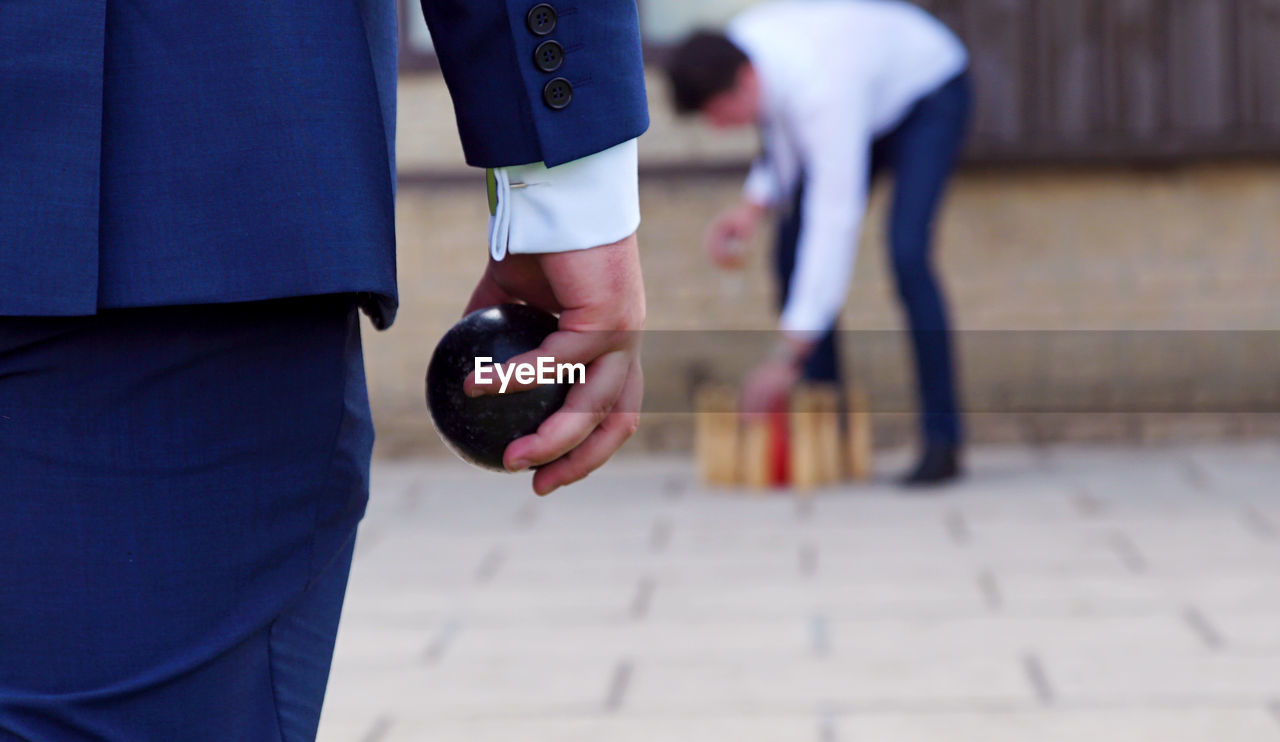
(754, 209)
(787, 353)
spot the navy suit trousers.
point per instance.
(179, 494)
(921, 153)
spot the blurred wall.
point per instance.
(1094, 304)
(1084, 80)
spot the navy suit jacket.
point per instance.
(163, 152)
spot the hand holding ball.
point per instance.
(479, 429)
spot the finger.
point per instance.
(752, 401)
(560, 347)
(762, 397)
(601, 444)
(583, 410)
(715, 237)
(750, 411)
(729, 258)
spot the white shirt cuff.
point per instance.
(585, 203)
(761, 186)
(801, 323)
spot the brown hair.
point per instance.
(703, 66)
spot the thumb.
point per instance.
(486, 294)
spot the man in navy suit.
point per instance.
(196, 201)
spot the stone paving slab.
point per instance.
(465, 690)
(499, 605)
(1056, 594)
(1146, 677)
(650, 640)
(1247, 632)
(668, 570)
(747, 685)
(796, 599)
(941, 639)
(797, 728)
(1093, 725)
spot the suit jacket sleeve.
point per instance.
(487, 49)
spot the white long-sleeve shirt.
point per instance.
(835, 74)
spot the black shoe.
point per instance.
(938, 465)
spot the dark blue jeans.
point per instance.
(921, 153)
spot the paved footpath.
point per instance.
(1058, 595)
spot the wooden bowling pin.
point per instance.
(826, 425)
(806, 463)
(755, 460)
(716, 438)
(858, 432)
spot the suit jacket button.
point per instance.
(541, 19)
(549, 56)
(557, 93)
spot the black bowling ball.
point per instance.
(479, 429)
